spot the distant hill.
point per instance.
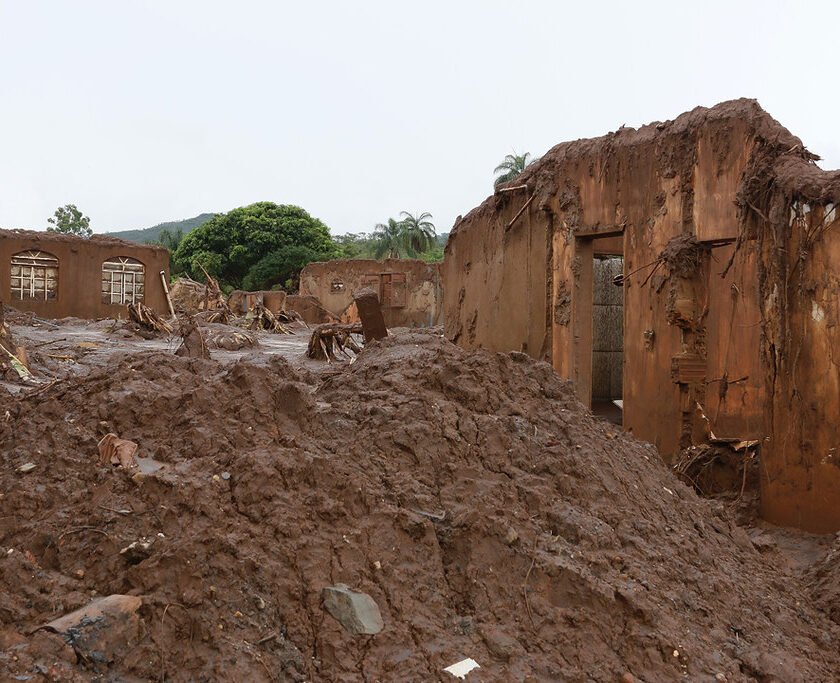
(147, 235)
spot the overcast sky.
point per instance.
(147, 111)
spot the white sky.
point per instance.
(143, 111)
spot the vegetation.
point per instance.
(511, 167)
(70, 221)
(369, 245)
(410, 237)
(153, 235)
(263, 245)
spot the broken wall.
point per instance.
(699, 358)
(409, 289)
(79, 264)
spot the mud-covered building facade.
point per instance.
(56, 276)
(409, 289)
(720, 232)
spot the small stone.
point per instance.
(138, 551)
(80, 573)
(356, 612)
(260, 603)
(676, 653)
(377, 564)
(511, 537)
(628, 678)
(720, 677)
(216, 478)
(225, 475)
(237, 614)
(26, 467)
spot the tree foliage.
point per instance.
(235, 247)
(409, 237)
(69, 220)
(511, 167)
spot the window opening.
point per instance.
(34, 276)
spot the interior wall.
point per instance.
(608, 329)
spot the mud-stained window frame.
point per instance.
(34, 276)
(123, 280)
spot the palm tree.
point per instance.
(511, 167)
(411, 236)
(387, 239)
(418, 232)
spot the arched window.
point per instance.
(122, 280)
(34, 276)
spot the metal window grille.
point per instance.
(34, 276)
(123, 280)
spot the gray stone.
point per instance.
(356, 612)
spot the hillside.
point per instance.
(146, 235)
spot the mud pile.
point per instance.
(481, 507)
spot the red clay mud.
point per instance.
(469, 495)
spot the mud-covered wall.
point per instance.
(409, 289)
(80, 273)
(724, 337)
(801, 461)
(526, 284)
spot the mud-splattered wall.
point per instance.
(409, 289)
(694, 207)
(72, 269)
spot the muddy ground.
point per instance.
(470, 495)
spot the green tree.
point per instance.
(230, 245)
(387, 237)
(511, 167)
(170, 240)
(418, 232)
(282, 267)
(409, 237)
(69, 220)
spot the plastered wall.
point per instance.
(80, 273)
(415, 301)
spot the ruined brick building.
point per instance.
(725, 238)
(55, 275)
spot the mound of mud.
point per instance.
(469, 495)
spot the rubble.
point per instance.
(356, 612)
(468, 494)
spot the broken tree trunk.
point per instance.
(370, 313)
(146, 317)
(192, 342)
(330, 339)
(264, 319)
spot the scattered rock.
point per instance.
(356, 612)
(139, 550)
(26, 467)
(104, 630)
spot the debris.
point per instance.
(370, 313)
(147, 318)
(18, 367)
(26, 467)
(330, 339)
(137, 551)
(263, 319)
(103, 631)
(166, 291)
(356, 612)
(462, 668)
(192, 341)
(117, 452)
